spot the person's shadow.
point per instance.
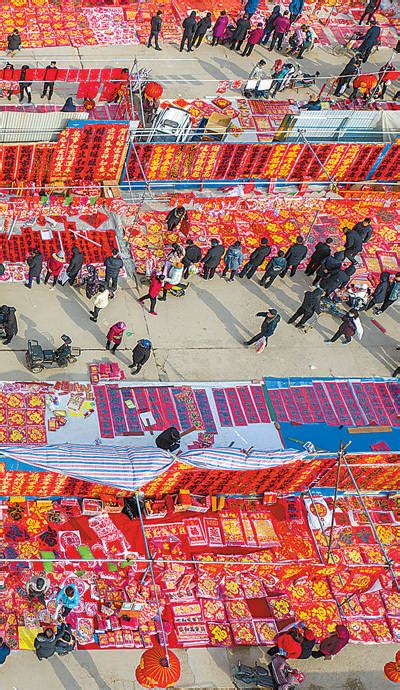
(226, 317)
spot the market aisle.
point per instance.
(196, 338)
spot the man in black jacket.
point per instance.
(294, 256)
(212, 259)
(256, 258)
(351, 70)
(364, 229)
(379, 294)
(35, 263)
(9, 323)
(321, 251)
(309, 306)
(201, 29)
(238, 36)
(169, 439)
(155, 30)
(192, 256)
(113, 266)
(268, 326)
(189, 27)
(75, 264)
(332, 281)
(353, 244)
(329, 265)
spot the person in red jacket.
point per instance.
(289, 643)
(333, 644)
(281, 28)
(114, 336)
(156, 285)
(54, 268)
(254, 37)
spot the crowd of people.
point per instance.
(57, 638)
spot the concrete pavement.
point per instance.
(197, 337)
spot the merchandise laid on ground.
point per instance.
(228, 570)
(86, 22)
(269, 415)
(280, 219)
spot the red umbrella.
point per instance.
(156, 669)
(153, 90)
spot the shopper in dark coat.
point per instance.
(370, 9)
(10, 323)
(275, 266)
(192, 256)
(392, 294)
(113, 266)
(364, 229)
(75, 264)
(4, 651)
(35, 263)
(201, 29)
(329, 265)
(156, 23)
(334, 643)
(174, 217)
(256, 258)
(370, 40)
(140, 354)
(66, 642)
(269, 24)
(309, 306)
(379, 294)
(45, 643)
(268, 326)
(330, 282)
(212, 259)
(347, 275)
(352, 69)
(189, 27)
(50, 77)
(242, 27)
(294, 256)
(346, 328)
(353, 244)
(321, 251)
(169, 439)
(13, 42)
(24, 86)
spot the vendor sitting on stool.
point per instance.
(169, 439)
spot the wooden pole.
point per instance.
(340, 458)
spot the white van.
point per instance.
(171, 125)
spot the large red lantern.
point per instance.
(158, 669)
(153, 90)
(392, 669)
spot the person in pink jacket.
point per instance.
(219, 28)
(281, 28)
(114, 336)
(254, 37)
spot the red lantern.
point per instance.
(153, 90)
(392, 669)
(365, 82)
(89, 104)
(156, 669)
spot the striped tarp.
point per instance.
(131, 468)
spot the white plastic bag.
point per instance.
(261, 344)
